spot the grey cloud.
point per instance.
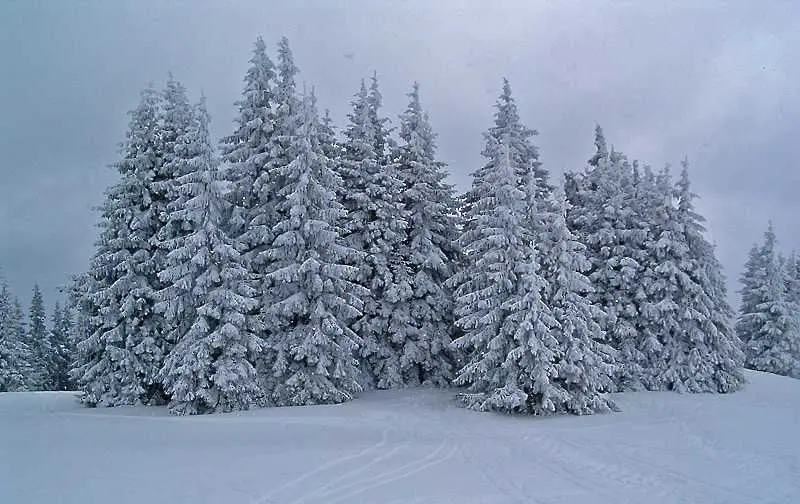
(715, 81)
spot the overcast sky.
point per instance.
(716, 81)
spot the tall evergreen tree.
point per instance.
(793, 278)
(38, 341)
(429, 205)
(179, 153)
(121, 354)
(249, 155)
(375, 226)
(211, 366)
(14, 353)
(585, 366)
(753, 275)
(315, 298)
(602, 215)
(715, 357)
(246, 151)
(509, 128)
(508, 328)
(663, 285)
(61, 362)
(768, 317)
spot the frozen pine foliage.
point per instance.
(249, 153)
(509, 330)
(602, 216)
(178, 157)
(793, 278)
(585, 366)
(768, 321)
(311, 348)
(15, 356)
(531, 339)
(375, 226)
(210, 367)
(660, 283)
(509, 129)
(753, 276)
(300, 268)
(714, 361)
(62, 348)
(687, 342)
(246, 152)
(656, 277)
(121, 352)
(431, 252)
(37, 338)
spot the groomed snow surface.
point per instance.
(411, 446)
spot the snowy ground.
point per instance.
(408, 447)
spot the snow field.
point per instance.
(412, 446)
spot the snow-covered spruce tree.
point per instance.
(61, 361)
(178, 157)
(211, 366)
(662, 283)
(715, 357)
(331, 145)
(315, 298)
(19, 327)
(524, 154)
(585, 365)
(375, 226)
(121, 354)
(38, 340)
(81, 311)
(509, 330)
(246, 152)
(772, 343)
(793, 278)
(429, 205)
(602, 216)
(752, 277)
(14, 353)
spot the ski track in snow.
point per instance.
(409, 447)
(271, 496)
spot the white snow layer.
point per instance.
(410, 446)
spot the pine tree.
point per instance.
(312, 350)
(751, 278)
(602, 215)
(79, 311)
(793, 278)
(772, 340)
(375, 226)
(178, 158)
(586, 365)
(61, 362)
(211, 366)
(246, 151)
(14, 353)
(38, 341)
(429, 206)
(509, 128)
(122, 351)
(715, 356)
(663, 284)
(509, 336)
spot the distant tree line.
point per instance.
(33, 354)
(769, 314)
(303, 264)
